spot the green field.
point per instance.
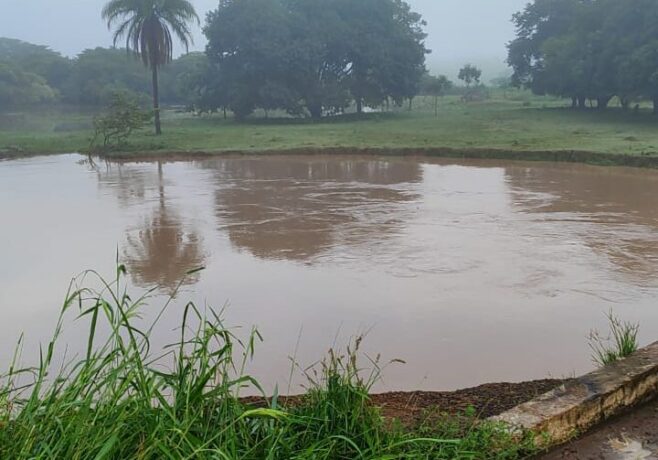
(515, 122)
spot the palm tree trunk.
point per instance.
(156, 101)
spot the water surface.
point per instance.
(470, 272)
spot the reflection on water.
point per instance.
(161, 250)
(615, 211)
(469, 271)
(292, 209)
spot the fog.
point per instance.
(459, 30)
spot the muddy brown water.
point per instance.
(471, 272)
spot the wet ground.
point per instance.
(633, 436)
(483, 401)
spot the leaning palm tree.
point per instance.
(147, 26)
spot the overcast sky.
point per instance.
(459, 31)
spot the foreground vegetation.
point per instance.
(125, 400)
(621, 343)
(515, 121)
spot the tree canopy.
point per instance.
(19, 88)
(588, 49)
(314, 57)
(99, 73)
(40, 60)
(29, 74)
(470, 74)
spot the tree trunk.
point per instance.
(655, 104)
(359, 105)
(156, 101)
(582, 102)
(225, 116)
(602, 102)
(574, 102)
(316, 111)
(411, 104)
(436, 106)
(625, 103)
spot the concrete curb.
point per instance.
(584, 402)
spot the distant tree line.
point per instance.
(588, 50)
(36, 75)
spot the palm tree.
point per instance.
(147, 26)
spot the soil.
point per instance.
(487, 400)
(569, 156)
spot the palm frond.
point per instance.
(149, 26)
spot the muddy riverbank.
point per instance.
(563, 156)
(485, 400)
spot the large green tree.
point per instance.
(470, 74)
(248, 44)
(181, 80)
(314, 57)
(148, 27)
(588, 49)
(630, 29)
(385, 52)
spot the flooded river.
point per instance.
(471, 272)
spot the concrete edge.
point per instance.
(577, 406)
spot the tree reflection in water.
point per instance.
(614, 211)
(163, 249)
(298, 208)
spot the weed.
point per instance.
(621, 342)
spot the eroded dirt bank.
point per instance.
(487, 400)
(567, 156)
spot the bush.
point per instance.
(124, 116)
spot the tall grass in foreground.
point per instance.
(124, 400)
(621, 343)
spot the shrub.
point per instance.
(123, 117)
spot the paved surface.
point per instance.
(631, 437)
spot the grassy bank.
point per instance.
(513, 123)
(124, 400)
